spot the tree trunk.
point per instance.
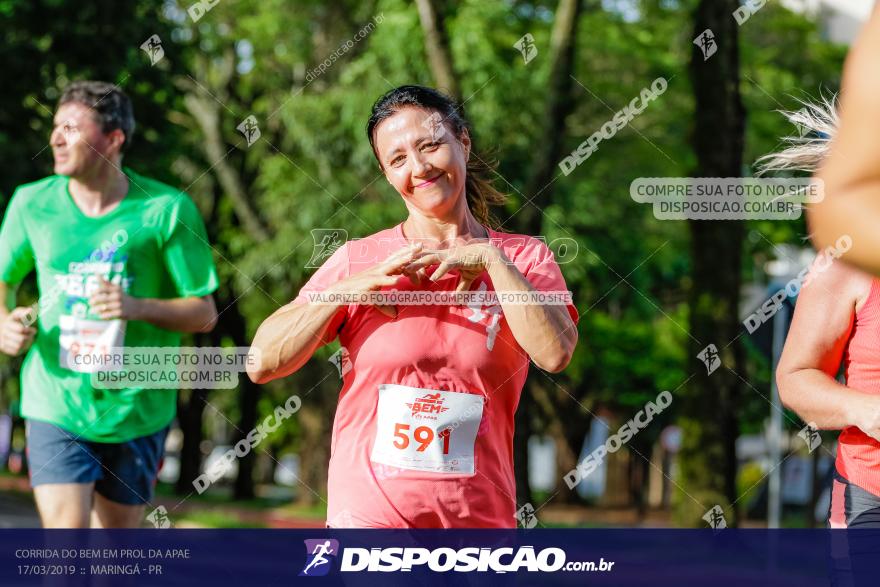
(710, 406)
(558, 106)
(189, 417)
(640, 454)
(522, 420)
(206, 113)
(248, 397)
(560, 103)
(815, 488)
(567, 428)
(437, 48)
(315, 418)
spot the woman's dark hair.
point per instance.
(479, 188)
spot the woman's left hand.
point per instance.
(469, 260)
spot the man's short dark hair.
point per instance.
(109, 105)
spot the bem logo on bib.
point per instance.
(426, 429)
(431, 403)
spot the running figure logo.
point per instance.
(715, 518)
(810, 434)
(526, 46)
(159, 518)
(434, 124)
(710, 358)
(526, 516)
(250, 129)
(153, 48)
(342, 360)
(326, 241)
(319, 553)
(706, 42)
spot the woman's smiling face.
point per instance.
(422, 159)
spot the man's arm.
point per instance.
(192, 314)
(189, 314)
(16, 332)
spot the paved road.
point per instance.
(17, 511)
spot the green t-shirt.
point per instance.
(153, 243)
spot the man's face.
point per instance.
(79, 145)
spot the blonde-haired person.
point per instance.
(423, 431)
(836, 324)
(852, 170)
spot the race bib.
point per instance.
(427, 429)
(85, 345)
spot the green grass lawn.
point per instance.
(209, 519)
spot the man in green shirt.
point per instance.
(121, 260)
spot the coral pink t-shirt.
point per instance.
(858, 455)
(423, 433)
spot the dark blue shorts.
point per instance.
(124, 472)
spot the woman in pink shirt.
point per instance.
(836, 325)
(423, 432)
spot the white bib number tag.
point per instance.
(86, 344)
(427, 429)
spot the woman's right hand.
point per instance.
(384, 274)
(289, 337)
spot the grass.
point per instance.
(208, 519)
(222, 495)
(215, 508)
